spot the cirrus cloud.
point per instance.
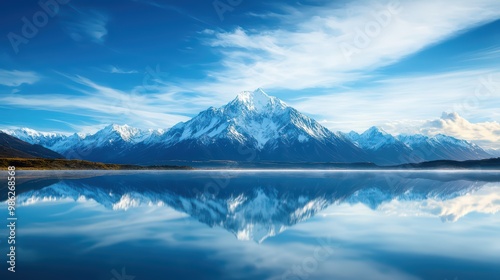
(321, 47)
(14, 78)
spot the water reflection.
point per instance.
(300, 225)
(256, 206)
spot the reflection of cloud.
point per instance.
(97, 228)
(255, 216)
(106, 228)
(413, 234)
(360, 237)
(485, 200)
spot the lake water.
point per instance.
(255, 225)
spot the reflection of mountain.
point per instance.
(255, 206)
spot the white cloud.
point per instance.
(398, 102)
(485, 200)
(107, 105)
(308, 51)
(88, 26)
(16, 78)
(116, 70)
(323, 47)
(486, 134)
(489, 54)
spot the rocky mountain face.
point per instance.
(253, 127)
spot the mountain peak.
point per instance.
(375, 131)
(124, 131)
(258, 100)
(256, 94)
(25, 133)
(117, 127)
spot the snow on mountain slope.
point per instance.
(387, 149)
(382, 147)
(254, 121)
(254, 126)
(373, 138)
(250, 117)
(113, 133)
(494, 152)
(46, 139)
(443, 147)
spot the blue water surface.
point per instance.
(254, 225)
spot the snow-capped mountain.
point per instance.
(494, 152)
(252, 127)
(105, 145)
(12, 147)
(442, 147)
(46, 139)
(382, 147)
(109, 144)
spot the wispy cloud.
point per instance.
(116, 70)
(323, 47)
(172, 8)
(14, 78)
(108, 105)
(87, 25)
(487, 54)
(473, 93)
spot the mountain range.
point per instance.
(12, 147)
(253, 127)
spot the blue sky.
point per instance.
(349, 64)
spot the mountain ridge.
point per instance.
(252, 127)
(13, 147)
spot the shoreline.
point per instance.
(42, 164)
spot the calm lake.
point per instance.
(254, 225)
